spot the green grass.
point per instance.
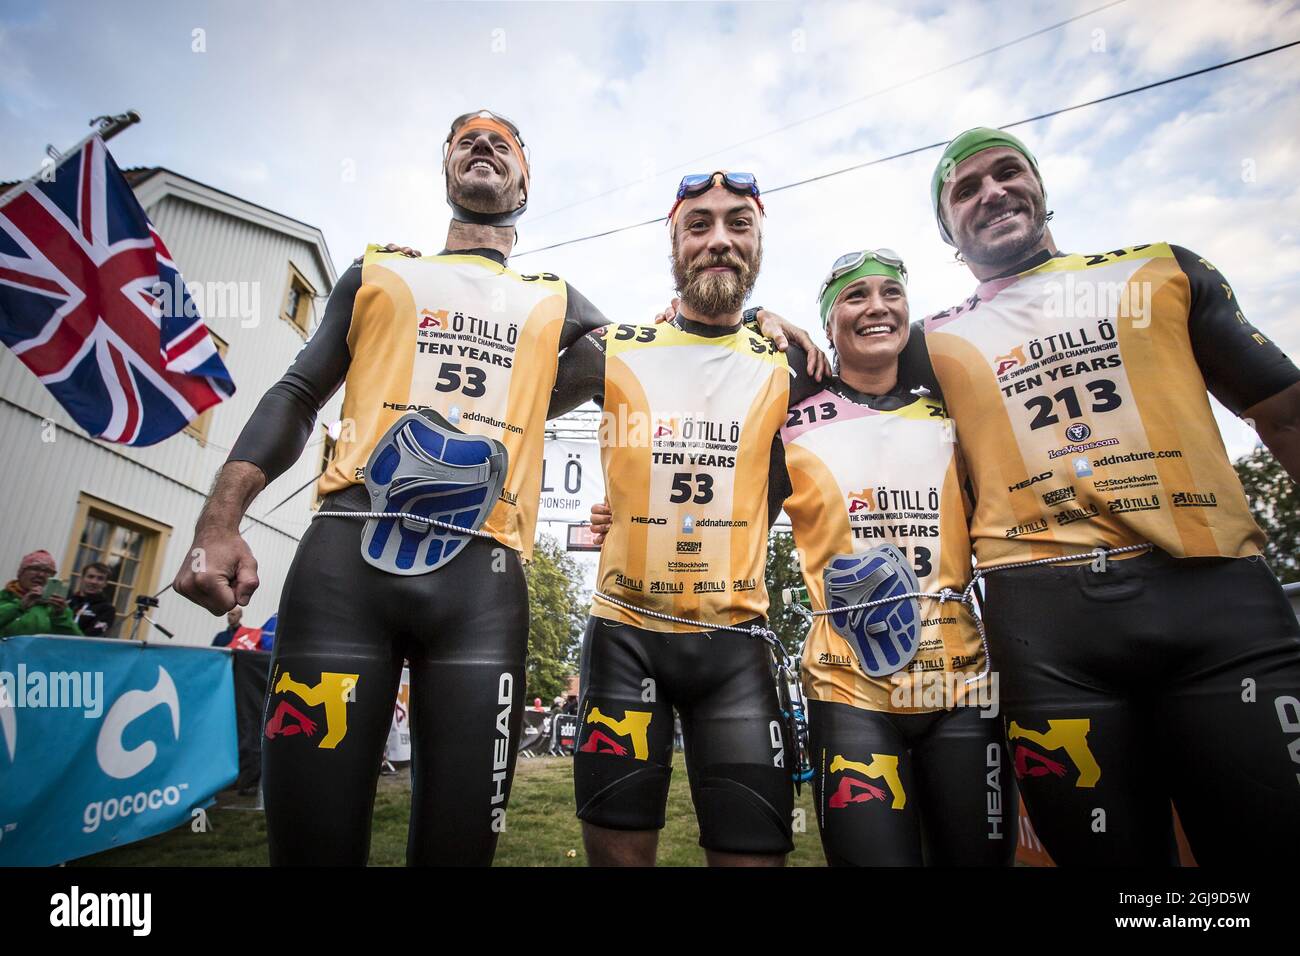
(541, 828)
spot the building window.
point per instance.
(130, 544)
(326, 456)
(298, 301)
(198, 429)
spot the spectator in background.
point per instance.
(92, 611)
(24, 609)
(233, 617)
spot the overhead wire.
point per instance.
(921, 149)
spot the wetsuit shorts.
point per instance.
(723, 686)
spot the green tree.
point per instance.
(1275, 502)
(783, 572)
(556, 618)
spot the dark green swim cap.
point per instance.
(963, 147)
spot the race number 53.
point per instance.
(688, 487)
(454, 377)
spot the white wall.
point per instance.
(167, 482)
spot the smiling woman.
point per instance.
(878, 503)
(864, 309)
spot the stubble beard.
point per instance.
(1006, 256)
(479, 196)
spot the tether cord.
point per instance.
(434, 522)
(966, 596)
(785, 672)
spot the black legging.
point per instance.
(911, 789)
(1158, 680)
(344, 629)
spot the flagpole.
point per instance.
(106, 127)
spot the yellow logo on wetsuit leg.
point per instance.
(334, 691)
(882, 767)
(1068, 735)
(635, 724)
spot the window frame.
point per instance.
(156, 537)
(301, 321)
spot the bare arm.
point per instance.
(220, 571)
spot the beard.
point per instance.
(480, 196)
(1011, 252)
(717, 293)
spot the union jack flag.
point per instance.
(92, 303)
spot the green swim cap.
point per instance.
(963, 147)
(870, 266)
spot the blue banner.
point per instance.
(106, 742)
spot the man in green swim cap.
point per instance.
(1007, 226)
(1127, 602)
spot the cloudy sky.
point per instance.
(335, 113)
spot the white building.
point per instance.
(260, 280)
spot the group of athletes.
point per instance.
(1045, 450)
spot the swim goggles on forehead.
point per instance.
(695, 184)
(486, 119)
(854, 265)
(852, 260)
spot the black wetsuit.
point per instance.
(345, 628)
(1161, 679)
(943, 793)
(721, 682)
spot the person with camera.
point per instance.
(27, 608)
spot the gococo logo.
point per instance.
(118, 762)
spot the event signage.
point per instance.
(104, 742)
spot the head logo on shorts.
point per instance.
(883, 637)
(423, 466)
(333, 692)
(1068, 735)
(114, 759)
(857, 790)
(633, 726)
